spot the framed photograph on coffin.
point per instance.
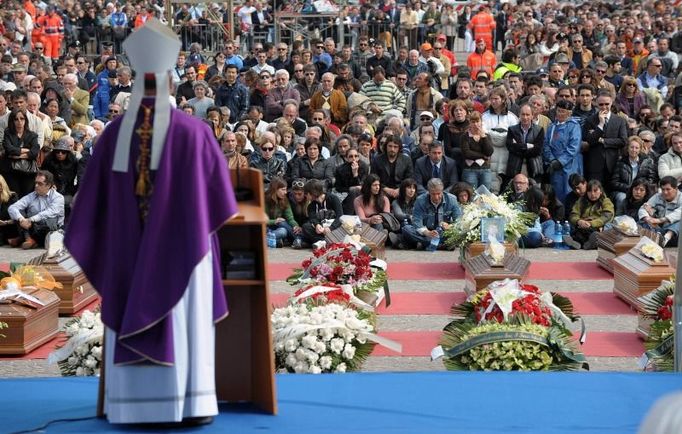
(492, 227)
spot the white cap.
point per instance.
(152, 49)
(426, 113)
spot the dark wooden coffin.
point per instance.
(480, 271)
(29, 327)
(76, 292)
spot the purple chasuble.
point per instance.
(142, 270)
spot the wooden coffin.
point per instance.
(374, 239)
(635, 275)
(480, 271)
(612, 243)
(29, 327)
(643, 326)
(76, 292)
(476, 249)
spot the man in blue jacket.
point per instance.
(561, 151)
(233, 94)
(433, 213)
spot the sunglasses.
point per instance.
(59, 151)
(267, 149)
(601, 71)
(604, 104)
(631, 85)
(310, 73)
(113, 111)
(299, 183)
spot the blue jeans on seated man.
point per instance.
(411, 237)
(672, 227)
(477, 176)
(531, 240)
(283, 231)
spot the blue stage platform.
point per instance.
(415, 403)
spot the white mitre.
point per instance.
(152, 49)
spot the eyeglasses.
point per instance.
(647, 141)
(631, 85)
(601, 71)
(310, 73)
(320, 46)
(37, 48)
(267, 149)
(604, 104)
(362, 44)
(113, 111)
(657, 66)
(585, 76)
(299, 183)
(437, 48)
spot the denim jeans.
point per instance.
(531, 240)
(619, 202)
(548, 229)
(411, 237)
(476, 177)
(283, 231)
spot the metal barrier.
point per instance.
(210, 36)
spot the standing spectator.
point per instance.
(670, 163)
(477, 149)
(307, 89)
(233, 94)
(561, 151)
(631, 166)
(607, 136)
(21, 148)
(524, 143)
(380, 58)
(102, 95)
(481, 59)
(652, 77)
(482, 26)
(119, 26)
(80, 100)
(435, 165)
(630, 99)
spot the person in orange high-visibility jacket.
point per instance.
(482, 25)
(37, 35)
(54, 33)
(481, 60)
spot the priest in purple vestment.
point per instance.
(143, 229)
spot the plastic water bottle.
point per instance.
(272, 239)
(558, 235)
(405, 222)
(433, 245)
(567, 228)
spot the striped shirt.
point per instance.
(385, 95)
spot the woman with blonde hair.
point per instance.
(629, 99)
(7, 227)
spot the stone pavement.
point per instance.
(623, 323)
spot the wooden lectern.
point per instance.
(245, 361)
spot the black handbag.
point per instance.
(389, 222)
(25, 166)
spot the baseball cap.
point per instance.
(426, 46)
(542, 71)
(426, 113)
(636, 40)
(480, 40)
